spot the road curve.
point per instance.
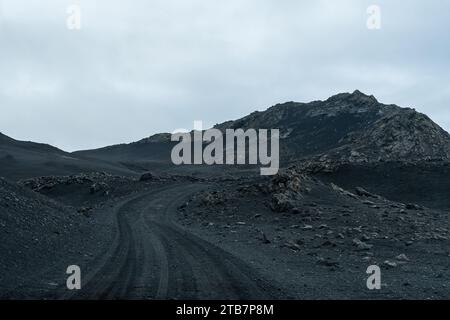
(154, 258)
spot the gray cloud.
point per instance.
(149, 66)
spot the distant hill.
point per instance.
(23, 159)
(154, 148)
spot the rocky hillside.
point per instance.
(346, 128)
(350, 127)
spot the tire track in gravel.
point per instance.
(154, 258)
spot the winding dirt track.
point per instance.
(154, 258)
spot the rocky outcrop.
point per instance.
(97, 182)
(287, 188)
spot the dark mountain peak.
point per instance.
(355, 97)
(350, 124)
(288, 112)
(349, 103)
(360, 94)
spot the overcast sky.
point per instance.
(145, 66)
